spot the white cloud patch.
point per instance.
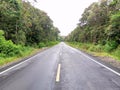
(64, 13)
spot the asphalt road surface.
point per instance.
(60, 68)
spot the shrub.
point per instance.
(110, 45)
(117, 53)
(51, 43)
(7, 48)
(41, 44)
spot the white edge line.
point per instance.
(104, 66)
(98, 62)
(58, 73)
(16, 65)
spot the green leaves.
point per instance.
(7, 48)
(116, 18)
(24, 24)
(99, 24)
(110, 46)
(1, 33)
(38, 25)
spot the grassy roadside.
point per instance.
(10, 52)
(97, 50)
(28, 52)
(24, 52)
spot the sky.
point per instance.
(64, 13)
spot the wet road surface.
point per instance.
(77, 71)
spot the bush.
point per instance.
(51, 43)
(110, 45)
(7, 48)
(117, 53)
(41, 44)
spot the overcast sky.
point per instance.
(64, 13)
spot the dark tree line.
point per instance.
(24, 24)
(99, 24)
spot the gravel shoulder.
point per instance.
(110, 60)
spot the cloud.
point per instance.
(64, 13)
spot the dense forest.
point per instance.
(23, 25)
(99, 25)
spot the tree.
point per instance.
(100, 23)
(24, 24)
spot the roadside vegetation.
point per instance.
(99, 29)
(98, 50)
(24, 29)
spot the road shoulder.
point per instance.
(6, 66)
(107, 61)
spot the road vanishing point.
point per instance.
(60, 68)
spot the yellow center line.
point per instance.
(58, 73)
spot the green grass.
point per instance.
(10, 52)
(5, 60)
(47, 44)
(97, 50)
(24, 52)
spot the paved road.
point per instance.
(77, 72)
